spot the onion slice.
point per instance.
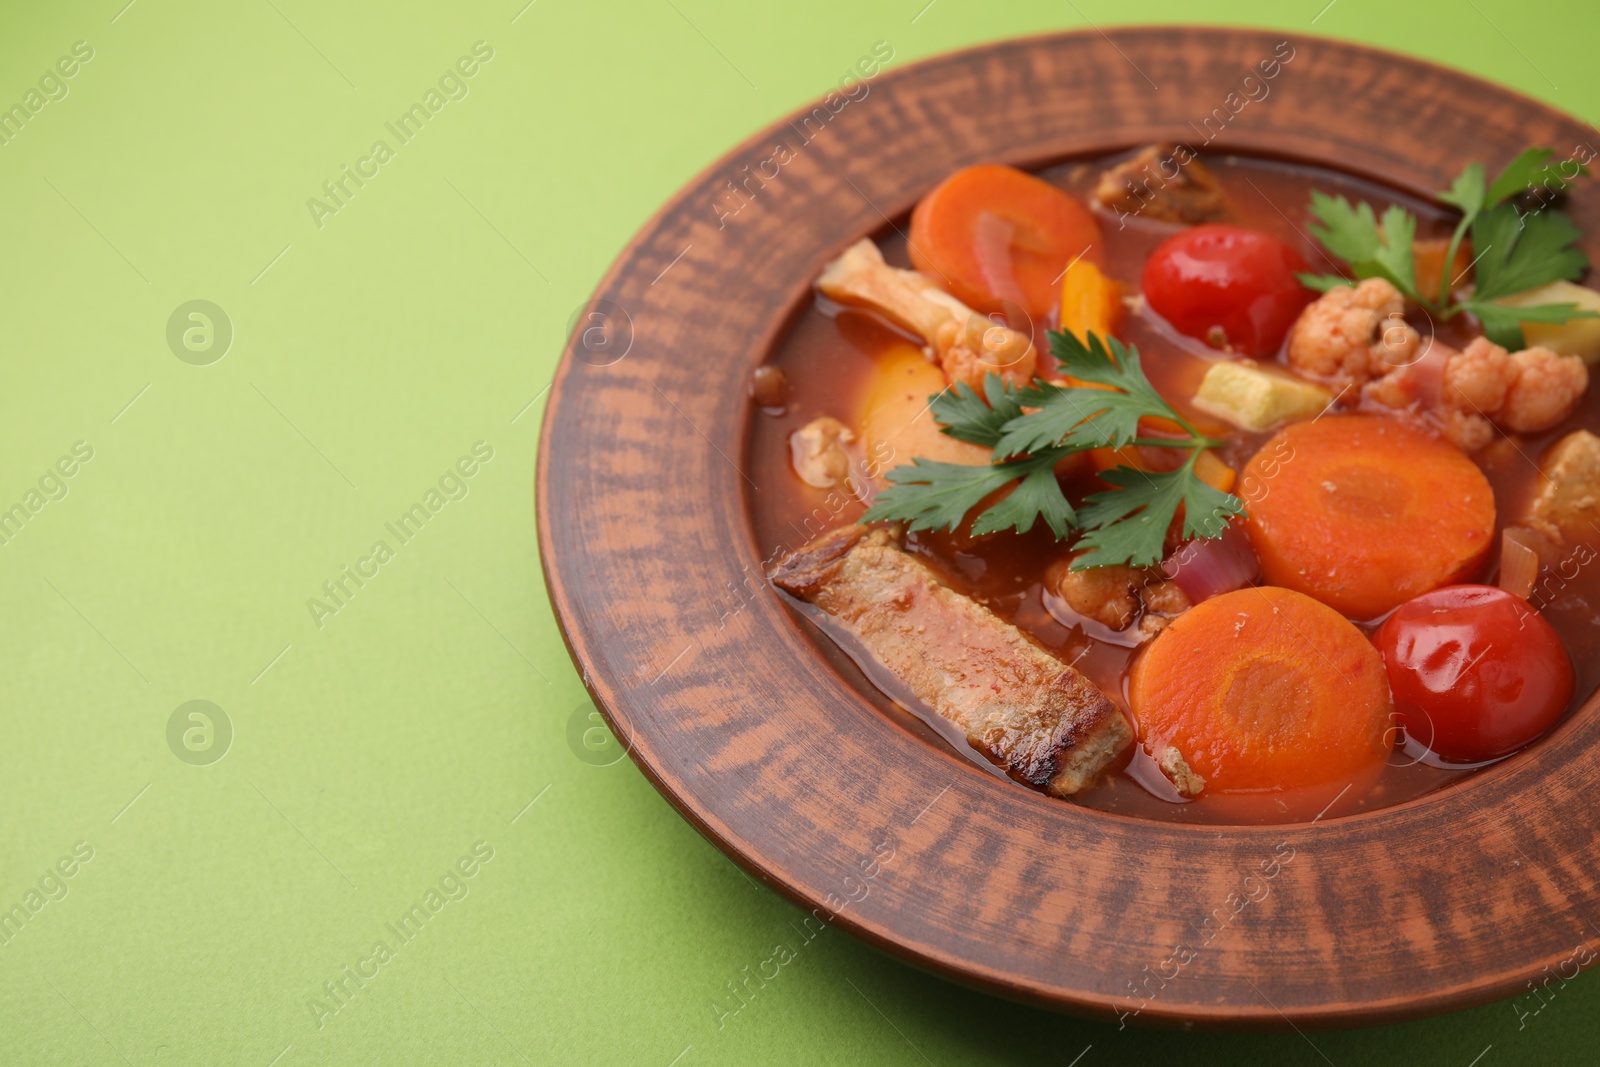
(1208, 567)
(1422, 381)
(1519, 565)
(991, 241)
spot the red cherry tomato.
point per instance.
(1476, 672)
(1225, 278)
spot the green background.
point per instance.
(372, 752)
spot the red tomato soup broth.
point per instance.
(832, 362)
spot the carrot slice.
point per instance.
(1090, 302)
(1365, 513)
(1215, 473)
(1263, 689)
(1428, 255)
(992, 233)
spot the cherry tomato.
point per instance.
(1227, 285)
(1476, 672)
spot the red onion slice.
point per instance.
(1208, 567)
(992, 237)
(1423, 380)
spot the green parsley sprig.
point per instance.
(1517, 250)
(1030, 429)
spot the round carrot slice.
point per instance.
(1263, 689)
(1364, 512)
(994, 234)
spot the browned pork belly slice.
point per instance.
(1164, 183)
(1035, 716)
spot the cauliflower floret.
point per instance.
(1547, 388)
(1397, 389)
(817, 451)
(971, 349)
(1350, 335)
(1483, 386)
(1477, 377)
(1468, 430)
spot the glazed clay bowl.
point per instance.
(771, 748)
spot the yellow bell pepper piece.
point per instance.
(1090, 302)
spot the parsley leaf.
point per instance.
(1351, 232)
(1517, 175)
(930, 495)
(1394, 256)
(1348, 231)
(1528, 171)
(1467, 191)
(1503, 325)
(1037, 495)
(1080, 417)
(1208, 510)
(1323, 282)
(1030, 430)
(967, 416)
(1129, 524)
(1519, 252)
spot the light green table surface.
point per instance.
(427, 712)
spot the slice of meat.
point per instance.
(1035, 716)
(1165, 183)
(1566, 506)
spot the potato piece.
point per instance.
(1567, 504)
(896, 424)
(1258, 398)
(1575, 337)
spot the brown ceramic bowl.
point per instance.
(1458, 898)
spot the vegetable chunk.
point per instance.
(1476, 672)
(1575, 337)
(1253, 397)
(1567, 504)
(896, 421)
(1364, 512)
(994, 234)
(1262, 689)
